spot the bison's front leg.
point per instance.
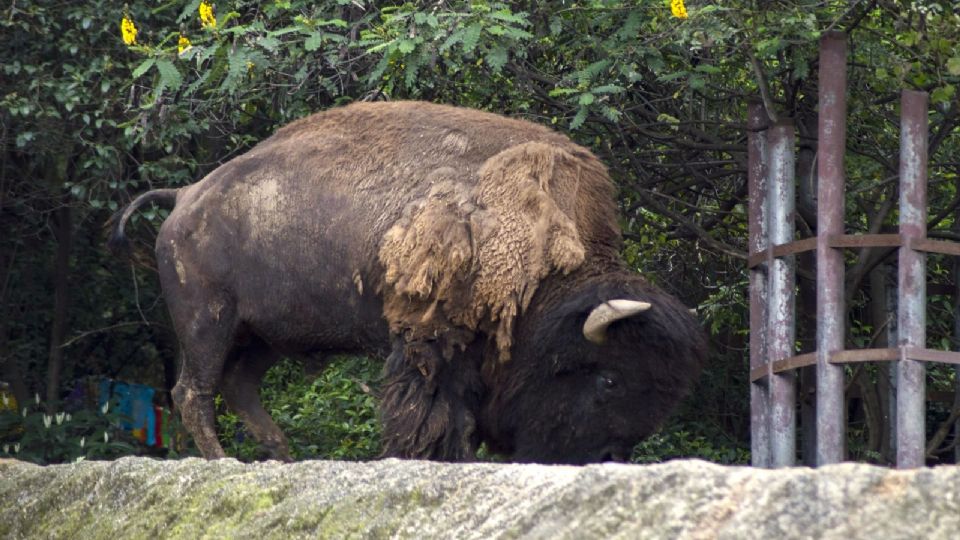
(430, 404)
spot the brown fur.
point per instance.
(464, 256)
(459, 245)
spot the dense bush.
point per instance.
(331, 414)
(36, 435)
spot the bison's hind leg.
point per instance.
(207, 329)
(241, 390)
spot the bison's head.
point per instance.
(592, 374)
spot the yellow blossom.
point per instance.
(128, 30)
(183, 44)
(678, 9)
(206, 15)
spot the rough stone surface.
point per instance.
(144, 498)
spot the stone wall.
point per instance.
(144, 498)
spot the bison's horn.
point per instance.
(595, 329)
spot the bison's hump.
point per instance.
(472, 255)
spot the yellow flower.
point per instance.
(206, 15)
(128, 30)
(183, 44)
(678, 9)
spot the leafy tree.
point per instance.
(89, 120)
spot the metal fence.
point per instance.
(773, 358)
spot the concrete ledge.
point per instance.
(144, 498)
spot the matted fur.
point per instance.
(464, 256)
(464, 248)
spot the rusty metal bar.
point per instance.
(857, 356)
(851, 241)
(934, 246)
(757, 225)
(831, 321)
(781, 327)
(784, 364)
(794, 362)
(911, 434)
(931, 355)
(866, 355)
(864, 240)
(781, 250)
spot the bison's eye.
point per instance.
(606, 382)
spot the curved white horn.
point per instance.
(595, 329)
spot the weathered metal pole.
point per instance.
(911, 434)
(781, 327)
(831, 143)
(757, 227)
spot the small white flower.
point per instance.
(47, 420)
(6, 400)
(105, 407)
(69, 418)
(83, 441)
(60, 416)
(24, 412)
(16, 448)
(6, 449)
(106, 437)
(36, 397)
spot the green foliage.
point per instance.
(32, 434)
(88, 122)
(331, 415)
(690, 442)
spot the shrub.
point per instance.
(330, 415)
(31, 434)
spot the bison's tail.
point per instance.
(118, 242)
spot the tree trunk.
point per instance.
(63, 232)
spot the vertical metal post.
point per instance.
(781, 327)
(831, 321)
(757, 226)
(956, 328)
(911, 434)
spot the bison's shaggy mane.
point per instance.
(472, 254)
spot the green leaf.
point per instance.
(579, 119)
(507, 16)
(313, 42)
(590, 72)
(236, 69)
(471, 36)
(943, 94)
(587, 98)
(557, 92)
(556, 26)
(607, 89)
(269, 43)
(142, 68)
(953, 66)
(169, 74)
(666, 118)
(406, 46)
(611, 114)
(497, 58)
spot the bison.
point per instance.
(477, 254)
